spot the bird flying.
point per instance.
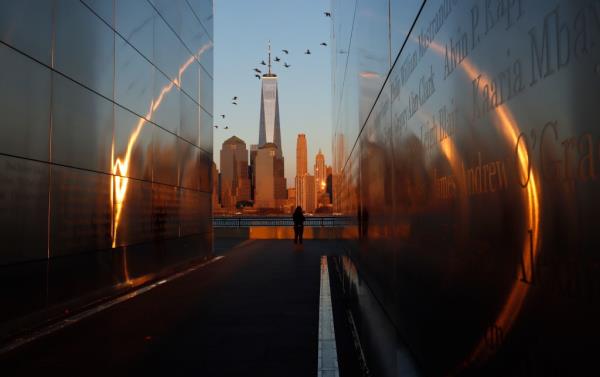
(286, 65)
(327, 14)
(235, 98)
(257, 70)
(226, 127)
(223, 116)
(323, 44)
(235, 103)
(216, 126)
(277, 59)
(257, 76)
(263, 62)
(285, 51)
(307, 52)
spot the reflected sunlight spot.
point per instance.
(369, 75)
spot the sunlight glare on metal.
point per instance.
(511, 132)
(120, 166)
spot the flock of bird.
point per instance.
(258, 72)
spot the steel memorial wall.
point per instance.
(105, 142)
(467, 144)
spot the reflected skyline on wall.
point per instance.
(464, 146)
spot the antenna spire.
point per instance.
(269, 57)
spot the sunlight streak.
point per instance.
(120, 166)
(511, 132)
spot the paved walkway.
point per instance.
(254, 312)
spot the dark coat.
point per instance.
(298, 219)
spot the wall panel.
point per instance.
(82, 126)
(84, 47)
(134, 21)
(25, 106)
(133, 146)
(23, 209)
(27, 26)
(189, 128)
(134, 79)
(206, 131)
(80, 211)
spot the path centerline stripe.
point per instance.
(328, 362)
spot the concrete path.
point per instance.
(253, 313)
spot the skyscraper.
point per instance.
(269, 131)
(301, 156)
(235, 184)
(270, 189)
(253, 153)
(269, 138)
(305, 184)
(305, 192)
(320, 172)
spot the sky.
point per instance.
(242, 29)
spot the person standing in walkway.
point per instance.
(298, 224)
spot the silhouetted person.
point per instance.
(298, 217)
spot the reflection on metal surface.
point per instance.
(513, 136)
(19, 342)
(327, 358)
(379, 346)
(480, 149)
(80, 120)
(82, 171)
(121, 165)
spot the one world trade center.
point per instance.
(270, 131)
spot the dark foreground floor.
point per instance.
(254, 312)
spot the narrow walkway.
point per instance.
(254, 312)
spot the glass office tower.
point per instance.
(270, 133)
(106, 136)
(269, 129)
(466, 138)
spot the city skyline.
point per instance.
(304, 88)
(253, 178)
(446, 165)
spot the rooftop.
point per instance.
(234, 140)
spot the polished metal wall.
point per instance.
(105, 124)
(467, 144)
